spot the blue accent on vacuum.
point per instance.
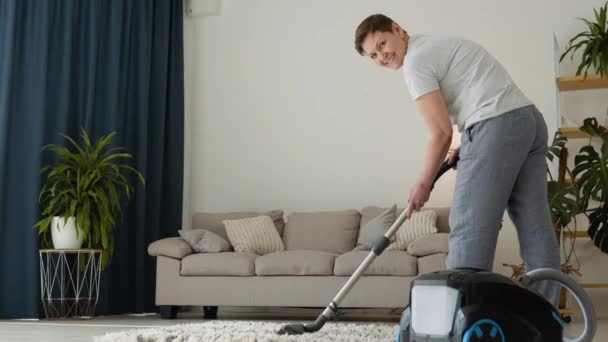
(557, 318)
(476, 328)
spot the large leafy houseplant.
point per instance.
(86, 182)
(594, 45)
(563, 198)
(591, 174)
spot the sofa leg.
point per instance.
(168, 311)
(210, 312)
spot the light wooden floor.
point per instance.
(84, 330)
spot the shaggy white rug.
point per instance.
(255, 331)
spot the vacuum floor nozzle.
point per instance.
(299, 328)
(291, 329)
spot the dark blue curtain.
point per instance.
(104, 66)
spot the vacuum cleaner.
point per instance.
(467, 305)
(470, 305)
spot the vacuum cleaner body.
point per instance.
(469, 305)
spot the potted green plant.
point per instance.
(594, 45)
(83, 189)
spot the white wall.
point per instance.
(283, 113)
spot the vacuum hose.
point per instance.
(577, 291)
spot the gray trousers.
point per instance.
(503, 166)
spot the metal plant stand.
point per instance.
(69, 282)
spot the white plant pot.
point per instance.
(64, 234)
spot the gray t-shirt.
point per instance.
(474, 85)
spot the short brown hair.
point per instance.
(371, 24)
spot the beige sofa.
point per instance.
(317, 261)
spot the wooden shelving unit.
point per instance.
(578, 234)
(574, 132)
(595, 285)
(578, 83)
(575, 83)
(563, 84)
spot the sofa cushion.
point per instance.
(389, 263)
(420, 223)
(329, 231)
(214, 221)
(219, 264)
(204, 241)
(295, 263)
(375, 228)
(432, 263)
(173, 247)
(429, 244)
(256, 235)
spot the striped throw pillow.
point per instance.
(421, 223)
(254, 235)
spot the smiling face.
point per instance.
(386, 49)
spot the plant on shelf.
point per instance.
(83, 187)
(591, 174)
(594, 45)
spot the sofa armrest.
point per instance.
(174, 247)
(429, 244)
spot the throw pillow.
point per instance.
(421, 223)
(429, 244)
(375, 228)
(254, 235)
(204, 241)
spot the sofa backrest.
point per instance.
(329, 231)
